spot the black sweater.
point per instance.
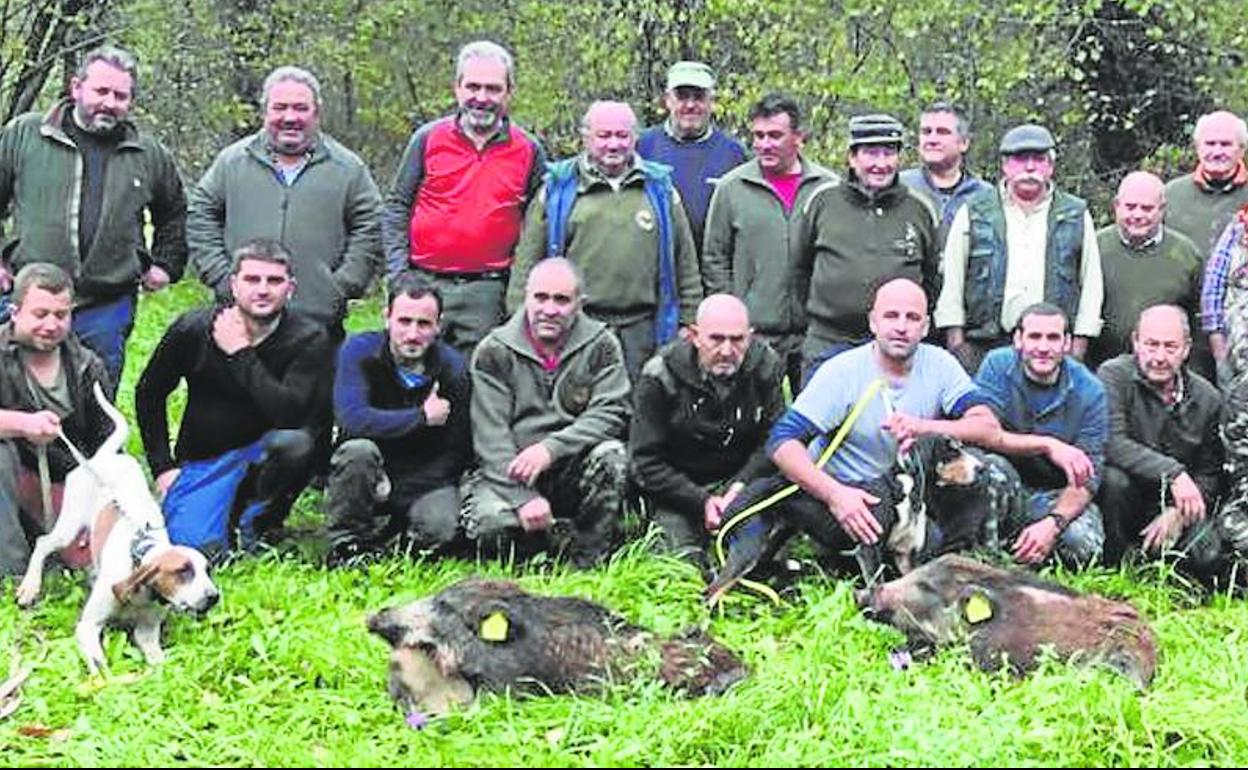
(284, 382)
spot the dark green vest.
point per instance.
(987, 260)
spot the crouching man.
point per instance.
(257, 398)
(46, 382)
(401, 400)
(703, 407)
(1053, 412)
(1163, 474)
(549, 409)
(892, 392)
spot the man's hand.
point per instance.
(1036, 541)
(155, 278)
(229, 332)
(437, 409)
(1188, 499)
(535, 515)
(1074, 463)
(905, 429)
(165, 480)
(1162, 532)
(530, 463)
(850, 507)
(41, 427)
(6, 280)
(715, 505)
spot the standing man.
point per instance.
(868, 228)
(401, 401)
(1163, 474)
(80, 179)
(458, 198)
(549, 411)
(1013, 247)
(944, 139)
(47, 379)
(703, 406)
(1055, 422)
(257, 400)
(1201, 203)
(294, 184)
(619, 219)
(1144, 263)
(756, 245)
(698, 152)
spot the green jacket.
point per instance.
(613, 236)
(858, 238)
(41, 176)
(329, 220)
(516, 403)
(754, 249)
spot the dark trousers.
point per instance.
(1128, 505)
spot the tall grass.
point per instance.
(284, 673)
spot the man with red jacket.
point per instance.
(457, 202)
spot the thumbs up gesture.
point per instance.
(437, 409)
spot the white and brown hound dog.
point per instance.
(134, 566)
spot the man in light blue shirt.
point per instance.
(908, 390)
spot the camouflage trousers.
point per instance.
(586, 494)
(1232, 518)
(1080, 544)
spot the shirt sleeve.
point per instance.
(951, 307)
(1213, 292)
(1091, 282)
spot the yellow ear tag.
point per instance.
(977, 609)
(494, 627)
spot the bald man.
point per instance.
(923, 391)
(619, 218)
(549, 411)
(702, 409)
(1144, 263)
(1163, 459)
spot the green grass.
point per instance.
(283, 672)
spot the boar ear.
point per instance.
(495, 623)
(976, 604)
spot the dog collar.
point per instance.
(143, 542)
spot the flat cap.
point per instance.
(875, 129)
(1028, 137)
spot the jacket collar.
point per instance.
(53, 126)
(751, 171)
(585, 330)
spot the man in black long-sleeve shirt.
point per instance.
(258, 385)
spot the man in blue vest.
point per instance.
(698, 152)
(1009, 248)
(619, 219)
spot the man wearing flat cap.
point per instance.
(864, 229)
(1022, 243)
(698, 152)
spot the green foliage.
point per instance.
(1119, 81)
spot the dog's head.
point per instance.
(955, 467)
(177, 575)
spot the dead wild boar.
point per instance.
(492, 635)
(1010, 617)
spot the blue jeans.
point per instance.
(104, 328)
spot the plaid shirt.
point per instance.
(1213, 292)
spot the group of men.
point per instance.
(557, 335)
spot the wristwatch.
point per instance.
(1059, 520)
